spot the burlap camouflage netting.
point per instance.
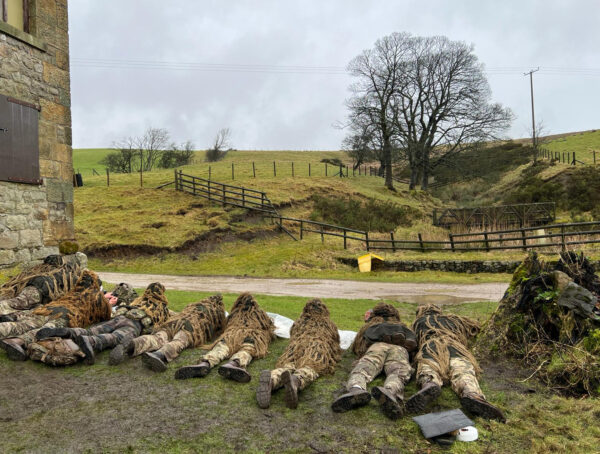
(440, 335)
(53, 279)
(248, 323)
(202, 320)
(153, 303)
(314, 341)
(382, 312)
(84, 305)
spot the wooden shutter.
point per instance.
(19, 147)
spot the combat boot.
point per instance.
(14, 348)
(233, 371)
(45, 333)
(120, 353)
(356, 397)
(291, 383)
(8, 318)
(264, 390)
(155, 361)
(84, 344)
(390, 405)
(197, 371)
(477, 405)
(428, 393)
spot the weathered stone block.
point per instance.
(59, 191)
(22, 256)
(9, 240)
(30, 238)
(43, 252)
(49, 169)
(7, 257)
(16, 222)
(55, 113)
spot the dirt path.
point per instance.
(320, 288)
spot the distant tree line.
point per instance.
(420, 100)
(151, 150)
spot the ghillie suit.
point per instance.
(313, 350)
(197, 324)
(131, 318)
(82, 306)
(382, 344)
(247, 335)
(37, 285)
(444, 357)
(548, 317)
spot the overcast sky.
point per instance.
(273, 70)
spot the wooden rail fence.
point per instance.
(523, 238)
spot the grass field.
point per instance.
(128, 408)
(583, 144)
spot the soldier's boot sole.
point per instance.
(13, 351)
(419, 401)
(117, 355)
(482, 408)
(291, 390)
(45, 333)
(154, 363)
(350, 401)
(263, 392)
(389, 405)
(237, 374)
(86, 348)
(183, 373)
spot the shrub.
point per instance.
(372, 215)
(68, 247)
(333, 161)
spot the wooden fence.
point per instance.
(225, 194)
(493, 217)
(568, 157)
(523, 238)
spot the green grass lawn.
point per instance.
(582, 144)
(128, 408)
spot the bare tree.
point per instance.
(151, 146)
(220, 145)
(377, 73)
(428, 98)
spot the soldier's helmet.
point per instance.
(156, 288)
(244, 302)
(125, 293)
(386, 311)
(316, 307)
(428, 309)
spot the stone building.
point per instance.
(36, 168)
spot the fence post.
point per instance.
(451, 237)
(563, 156)
(243, 197)
(367, 240)
(108, 178)
(232, 172)
(325, 169)
(345, 240)
(208, 188)
(346, 170)
(253, 170)
(594, 157)
(224, 196)
(393, 244)
(301, 229)
(487, 245)
(421, 243)
(562, 241)
(341, 171)
(574, 160)
(292, 168)
(274, 169)
(524, 240)
(309, 169)
(262, 199)
(209, 173)
(194, 186)
(175, 172)
(569, 157)
(322, 237)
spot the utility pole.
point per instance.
(533, 112)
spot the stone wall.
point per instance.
(34, 67)
(456, 266)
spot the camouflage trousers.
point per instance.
(109, 334)
(221, 352)
(28, 299)
(306, 375)
(462, 375)
(23, 325)
(391, 359)
(160, 341)
(55, 351)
